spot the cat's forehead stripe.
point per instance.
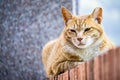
(80, 23)
(77, 23)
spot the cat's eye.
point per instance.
(87, 29)
(72, 30)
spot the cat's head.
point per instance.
(83, 31)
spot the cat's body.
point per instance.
(69, 49)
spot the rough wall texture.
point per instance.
(25, 26)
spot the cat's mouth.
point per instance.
(81, 44)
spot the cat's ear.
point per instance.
(97, 15)
(66, 14)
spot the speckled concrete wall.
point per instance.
(25, 26)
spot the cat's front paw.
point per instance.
(80, 63)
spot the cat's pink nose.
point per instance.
(79, 39)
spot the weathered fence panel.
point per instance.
(103, 67)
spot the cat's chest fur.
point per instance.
(85, 54)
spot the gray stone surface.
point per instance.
(25, 26)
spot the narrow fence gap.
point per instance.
(103, 67)
(68, 74)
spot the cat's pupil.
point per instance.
(72, 30)
(87, 29)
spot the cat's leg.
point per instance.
(60, 67)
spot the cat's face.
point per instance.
(83, 31)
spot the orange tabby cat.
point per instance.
(82, 39)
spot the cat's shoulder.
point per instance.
(51, 42)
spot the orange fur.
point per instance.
(82, 39)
